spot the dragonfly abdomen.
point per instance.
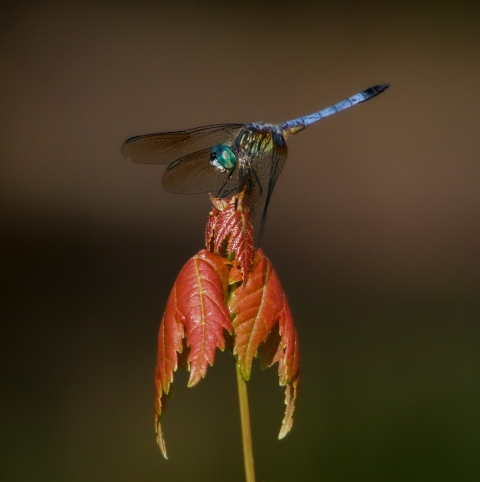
(296, 125)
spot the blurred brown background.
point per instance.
(373, 228)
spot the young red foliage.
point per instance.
(218, 206)
(230, 231)
(258, 307)
(196, 310)
(227, 281)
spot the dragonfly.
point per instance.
(229, 158)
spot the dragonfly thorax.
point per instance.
(222, 157)
(253, 140)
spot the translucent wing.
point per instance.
(265, 170)
(263, 173)
(194, 174)
(168, 146)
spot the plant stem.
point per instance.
(246, 431)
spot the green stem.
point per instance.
(246, 431)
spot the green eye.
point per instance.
(222, 156)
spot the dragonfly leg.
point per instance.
(257, 180)
(222, 192)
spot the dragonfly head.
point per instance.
(222, 157)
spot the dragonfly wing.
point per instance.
(266, 169)
(168, 146)
(194, 174)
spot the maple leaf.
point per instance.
(230, 230)
(228, 280)
(195, 310)
(218, 206)
(258, 307)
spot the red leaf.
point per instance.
(219, 204)
(240, 241)
(235, 276)
(196, 309)
(202, 290)
(209, 228)
(291, 393)
(286, 347)
(257, 306)
(230, 224)
(159, 398)
(196, 314)
(260, 306)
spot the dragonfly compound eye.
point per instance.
(222, 157)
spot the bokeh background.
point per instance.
(373, 228)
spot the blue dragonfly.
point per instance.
(225, 159)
